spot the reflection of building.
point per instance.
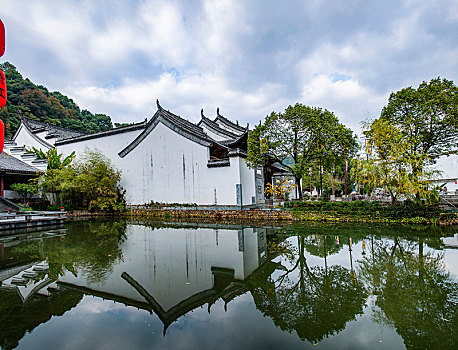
(172, 271)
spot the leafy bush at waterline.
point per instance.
(91, 183)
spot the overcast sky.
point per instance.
(247, 57)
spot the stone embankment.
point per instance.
(240, 216)
(251, 216)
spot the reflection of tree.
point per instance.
(315, 302)
(17, 318)
(414, 293)
(90, 247)
(322, 245)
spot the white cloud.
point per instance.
(135, 100)
(249, 58)
(349, 100)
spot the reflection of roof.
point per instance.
(225, 286)
(11, 164)
(53, 131)
(229, 286)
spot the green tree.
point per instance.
(427, 118)
(54, 159)
(392, 167)
(26, 190)
(297, 137)
(98, 181)
(92, 182)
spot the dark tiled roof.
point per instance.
(53, 131)
(11, 164)
(227, 122)
(218, 163)
(99, 134)
(237, 142)
(216, 128)
(183, 124)
(174, 122)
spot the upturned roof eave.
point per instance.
(214, 127)
(173, 122)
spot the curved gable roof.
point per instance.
(226, 122)
(215, 128)
(53, 131)
(173, 122)
(32, 134)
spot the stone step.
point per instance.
(17, 149)
(28, 155)
(29, 275)
(18, 281)
(41, 268)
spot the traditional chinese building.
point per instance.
(164, 159)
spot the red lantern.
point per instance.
(2, 135)
(2, 38)
(456, 182)
(2, 89)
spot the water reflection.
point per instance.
(415, 294)
(311, 282)
(314, 301)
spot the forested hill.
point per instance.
(37, 102)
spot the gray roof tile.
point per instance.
(13, 165)
(53, 131)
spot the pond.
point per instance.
(140, 285)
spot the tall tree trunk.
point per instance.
(321, 178)
(299, 187)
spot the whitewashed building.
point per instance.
(165, 159)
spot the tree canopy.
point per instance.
(427, 117)
(415, 128)
(298, 137)
(91, 182)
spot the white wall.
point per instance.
(213, 135)
(247, 178)
(25, 137)
(167, 167)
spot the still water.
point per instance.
(121, 285)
